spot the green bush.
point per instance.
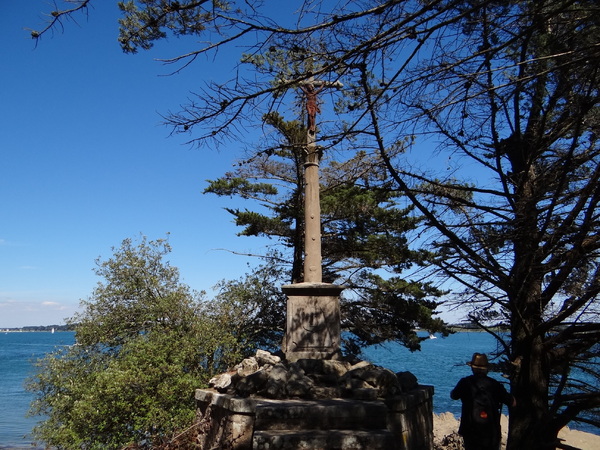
(144, 343)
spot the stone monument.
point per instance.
(313, 398)
(313, 307)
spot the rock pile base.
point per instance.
(267, 402)
(267, 375)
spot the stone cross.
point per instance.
(313, 272)
(313, 311)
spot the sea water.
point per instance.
(440, 363)
(18, 351)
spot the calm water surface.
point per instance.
(17, 351)
(440, 363)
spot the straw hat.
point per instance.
(479, 361)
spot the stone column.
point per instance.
(313, 307)
(313, 272)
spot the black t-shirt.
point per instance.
(465, 390)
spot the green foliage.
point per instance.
(364, 231)
(365, 227)
(253, 307)
(142, 25)
(144, 342)
(240, 186)
(389, 309)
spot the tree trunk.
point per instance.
(530, 421)
(530, 424)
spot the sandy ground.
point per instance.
(445, 427)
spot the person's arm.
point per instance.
(456, 393)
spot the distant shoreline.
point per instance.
(456, 328)
(18, 330)
(48, 328)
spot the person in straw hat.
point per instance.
(482, 398)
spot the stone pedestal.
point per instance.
(313, 321)
(404, 422)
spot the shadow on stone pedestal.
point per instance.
(313, 321)
(403, 422)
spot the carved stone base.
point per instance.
(313, 321)
(404, 422)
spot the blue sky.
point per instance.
(86, 163)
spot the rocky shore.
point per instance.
(445, 434)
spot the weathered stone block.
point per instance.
(300, 387)
(383, 380)
(365, 394)
(264, 357)
(313, 321)
(251, 384)
(230, 422)
(221, 425)
(407, 381)
(330, 440)
(247, 366)
(410, 418)
(221, 382)
(275, 387)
